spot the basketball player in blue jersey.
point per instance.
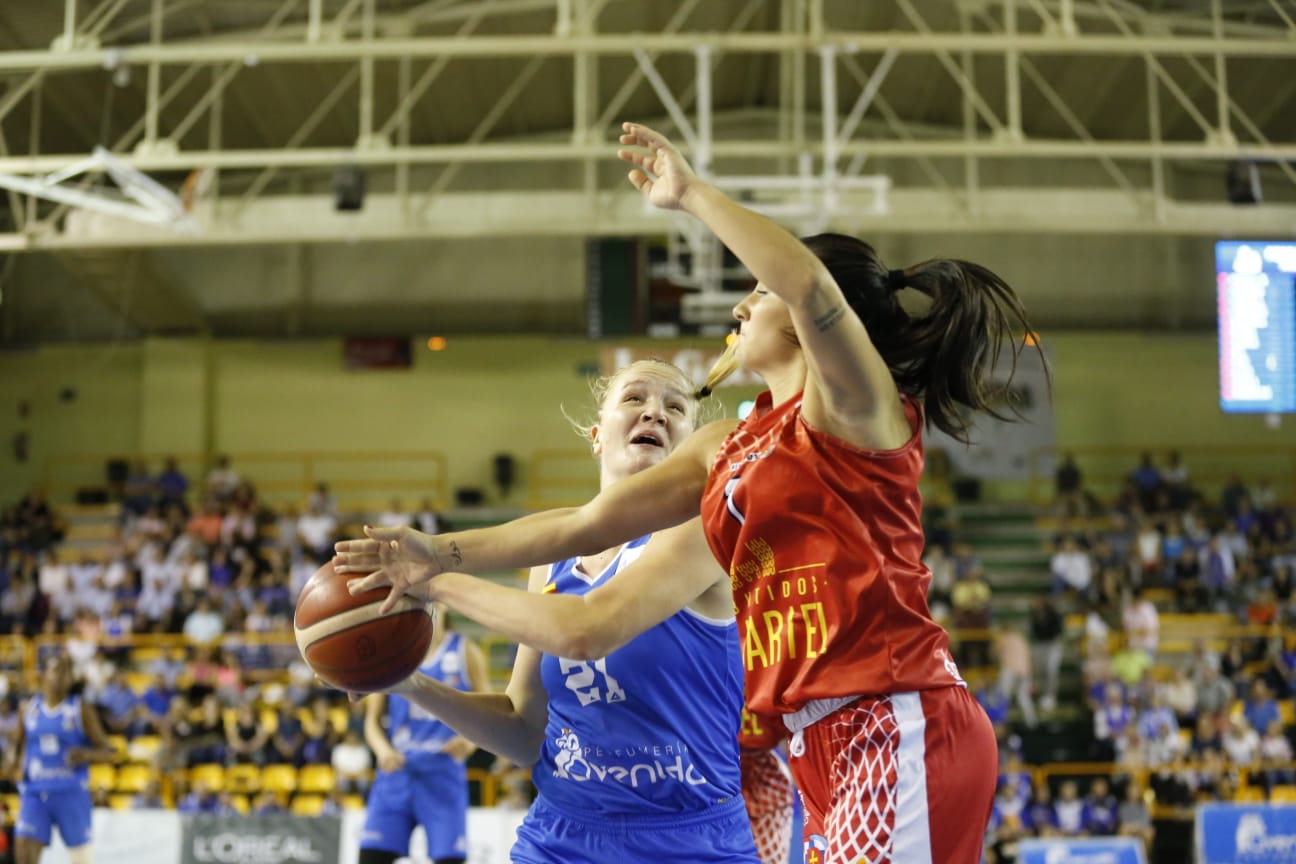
(627, 688)
(57, 740)
(421, 777)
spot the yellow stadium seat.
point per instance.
(118, 743)
(11, 804)
(1281, 794)
(240, 803)
(279, 778)
(353, 802)
(211, 775)
(243, 779)
(120, 801)
(1248, 794)
(143, 748)
(145, 654)
(1287, 711)
(338, 716)
(133, 778)
(316, 779)
(103, 776)
(307, 805)
(138, 681)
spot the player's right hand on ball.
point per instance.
(401, 558)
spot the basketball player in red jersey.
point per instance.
(812, 502)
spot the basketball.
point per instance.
(348, 644)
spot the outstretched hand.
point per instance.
(662, 174)
(401, 558)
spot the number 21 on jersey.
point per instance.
(583, 680)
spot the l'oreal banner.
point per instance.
(1077, 850)
(209, 839)
(1246, 833)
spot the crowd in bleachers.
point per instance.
(1172, 605)
(1176, 609)
(178, 621)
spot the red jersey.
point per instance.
(824, 543)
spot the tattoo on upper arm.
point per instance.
(829, 318)
(455, 555)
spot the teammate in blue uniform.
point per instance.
(626, 692)
(421, 777)
(58, 738)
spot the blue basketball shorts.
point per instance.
(66, 809)
(719, 835)
(400, 800)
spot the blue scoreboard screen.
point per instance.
(1256, 292)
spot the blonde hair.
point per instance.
(724, 366)
(602, 386)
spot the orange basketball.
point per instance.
(348, 644)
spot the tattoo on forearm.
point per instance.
(829, 318)
(455, 556)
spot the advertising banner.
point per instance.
(210, 839)
(1246, 833)
(1081, 850)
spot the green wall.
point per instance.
(483, 396)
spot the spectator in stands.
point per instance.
(1133, 819)
(149, 798)
(322, 500)
(1072, 570)
(316, 530)
(940, 592)
(1185, 573)
(118, 705)
(1155, 716)
(1233, 491)
(1069, 810)
(1147, 481)
(1110, 721)
(352, 764)
(139, 492)
(1141, 623)
(285, 746)
(1008, 819)
(1147, 548)
(1180, 694)
(19, 605)
(222, 480)
(1068, 487)
(204, 624)
(321, 735)
(1241, 743)
(245, 737)
(1046, 631)
(1174, 480)
(971, 599)
(1215, 695)
(395, 515)
(427, 519)
(171, 485)
(194, 737)
(266, 803)
(202, 799)
(1100, 810)
(1040, 813)
(1015, 670)
(1260, 708)
(1276, 755)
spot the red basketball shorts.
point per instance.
(902, 779)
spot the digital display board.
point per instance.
(1256, 292)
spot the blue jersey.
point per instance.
(51, 733)
(416, 734)
(651, 729)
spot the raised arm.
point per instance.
(666, 494)
(849, 390)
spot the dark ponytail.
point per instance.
(945, 354)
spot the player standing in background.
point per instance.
(57, 740)
(421, 778)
